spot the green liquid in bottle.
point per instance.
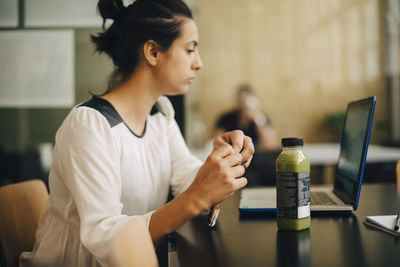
(293, 171)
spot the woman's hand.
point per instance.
(240, 143)
(219, 177)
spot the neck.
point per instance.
(134, 98)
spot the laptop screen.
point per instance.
(353, 148)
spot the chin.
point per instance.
(179, 91)
(185, 89)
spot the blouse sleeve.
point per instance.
(89, 161)
(184, 165)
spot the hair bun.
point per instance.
(109, 9)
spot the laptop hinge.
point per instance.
(344, 197)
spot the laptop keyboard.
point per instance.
(321, 198)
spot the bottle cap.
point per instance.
(292, 141)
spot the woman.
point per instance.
(117, 155)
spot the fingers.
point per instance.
(226, 165)
(222, 151)
(248, 151)
(228, 157)
(233, 159)
(240, 183)
(231, 163)
(247, 163)
(239, 142)
(235, 139)
(236, 171)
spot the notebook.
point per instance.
(385, 223)
(349, 173)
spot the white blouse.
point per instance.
(102, 176)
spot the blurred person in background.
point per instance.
(248, 117)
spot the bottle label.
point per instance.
(293, 194)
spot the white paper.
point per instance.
(385, 223)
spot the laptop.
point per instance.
(349, 173)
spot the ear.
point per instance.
(151, 53)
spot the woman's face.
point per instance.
(178, 65)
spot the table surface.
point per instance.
(328, 153)
(332, 240)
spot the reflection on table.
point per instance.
(332, 240)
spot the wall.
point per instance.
(22, 128)
(305, 59)
(298, 55)
(91, 69)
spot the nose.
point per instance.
(197, 64)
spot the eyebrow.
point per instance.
(195, 43)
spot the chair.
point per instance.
(21, 205)
(133, 246)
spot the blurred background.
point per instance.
(304, 60)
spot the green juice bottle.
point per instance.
(293, 186)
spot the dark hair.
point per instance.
(134, 25)
(245, 88)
